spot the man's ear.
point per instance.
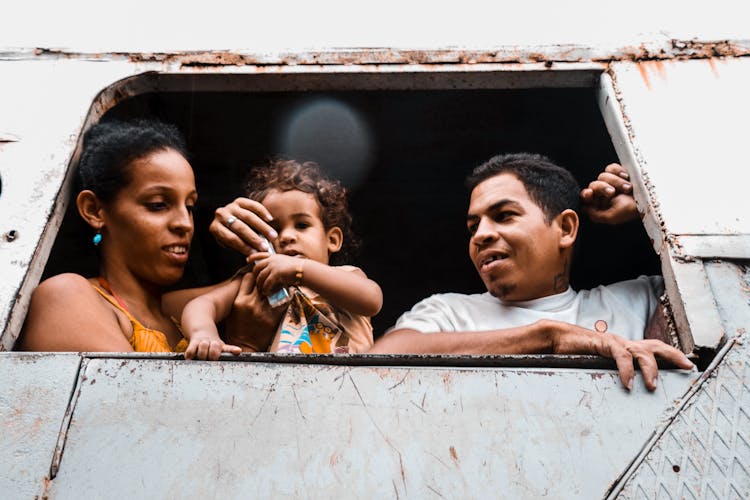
(567, 221)
(335, 239)
(91, 209)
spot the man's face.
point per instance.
(516, 252)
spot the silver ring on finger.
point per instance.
(230, 220)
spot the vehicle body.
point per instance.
(673, 111)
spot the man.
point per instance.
(523, 226)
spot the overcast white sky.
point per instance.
(153, 25)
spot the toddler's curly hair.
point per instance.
(288, 175)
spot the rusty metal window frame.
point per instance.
(697, 320)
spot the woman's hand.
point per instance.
(609, 199)
(274, 271)
(240, 225)
(253, 322)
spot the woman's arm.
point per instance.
(67, 314)
(350, 289)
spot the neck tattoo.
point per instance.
(561, 279)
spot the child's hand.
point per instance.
(273, 272)
(208, 346)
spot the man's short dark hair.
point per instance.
(550, 186)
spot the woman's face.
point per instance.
(149, 223)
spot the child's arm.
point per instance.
(351, 290)
(199, 319)
(173, 303)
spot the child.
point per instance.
(330, 305)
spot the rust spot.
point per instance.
(651, 66)
(453, 453)
(45, 493)
(537, 57)
(659, 65)
(671, 50)
(712, 65)
(644, 74)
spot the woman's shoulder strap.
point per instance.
(112, 301)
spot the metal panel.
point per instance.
(705, 451)
(36, 389)
(694, 306)
(168, 429)
(687, 120)
(334, 23)
(44, 106)
(710, 247)
(730, 285)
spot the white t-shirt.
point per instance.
(623, 308)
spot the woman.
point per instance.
(137, 194)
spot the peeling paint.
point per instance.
(8, 137)
(655, 51)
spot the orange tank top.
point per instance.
(145, 339)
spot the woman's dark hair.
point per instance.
(288, 175)
(550, 186)
(110, 148)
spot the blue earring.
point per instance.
(97, 238)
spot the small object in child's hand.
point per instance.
(281, 297)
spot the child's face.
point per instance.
(297, 219)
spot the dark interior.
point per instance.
(407, 194)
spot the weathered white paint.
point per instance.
(696, 315)
(172, 25)
(688, 121)
(169, 429)
(34, 395)
(730, 286)
(735, 246)
(44, 104)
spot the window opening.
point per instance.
(408, 198)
